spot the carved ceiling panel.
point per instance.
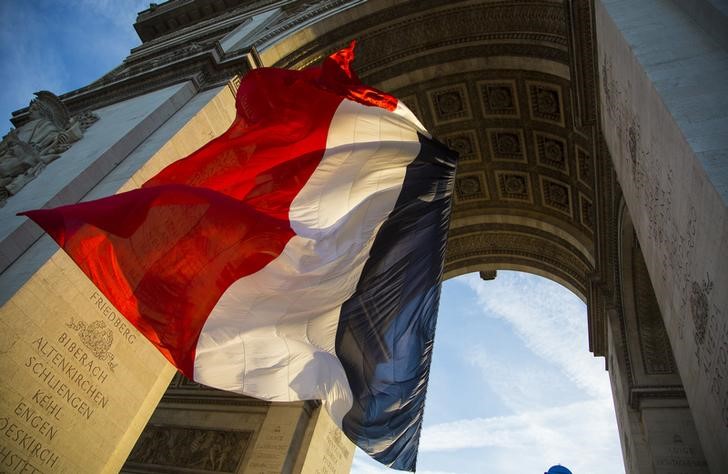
(516, 151)
(470, 186)
(465, 142)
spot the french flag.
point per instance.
(297, 256)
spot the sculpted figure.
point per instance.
(18, 160)
(26, 150)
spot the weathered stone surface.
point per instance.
(679, 215)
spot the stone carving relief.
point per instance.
(516, 147)
(471, 186)
(655, 346)
(556, 195)
(26, 150)
(191, 448)
(551, 151)
(545, 102)
(450, 104)
(513, 186)
(507, 144)
(488, 275)
(586, 215)
(97, 337)
(585, 167)
(499, 98)
(465, 143)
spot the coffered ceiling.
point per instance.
(508, 85)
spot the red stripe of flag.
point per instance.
(165, 253)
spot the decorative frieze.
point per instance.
(199, 449)
(541, 251)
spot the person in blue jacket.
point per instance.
(558, 469)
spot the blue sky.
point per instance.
(513, 388)
(60, 45)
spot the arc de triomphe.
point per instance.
(593, 137)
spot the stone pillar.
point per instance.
(656, 425)
(77, 382)
(663, 92)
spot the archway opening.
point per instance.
(513, 386)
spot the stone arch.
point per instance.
(513, 86)
(508, 93)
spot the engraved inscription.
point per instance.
(335, 455)
(33, 447)
(673, 239)
(10, 461)
(117, 321)
(711, 342)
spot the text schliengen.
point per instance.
(74, 374)
(64, 391)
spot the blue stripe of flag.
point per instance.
(386, 329)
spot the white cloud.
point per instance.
(521, 386)
(551, 427)
(580, 435)
(551, 322)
